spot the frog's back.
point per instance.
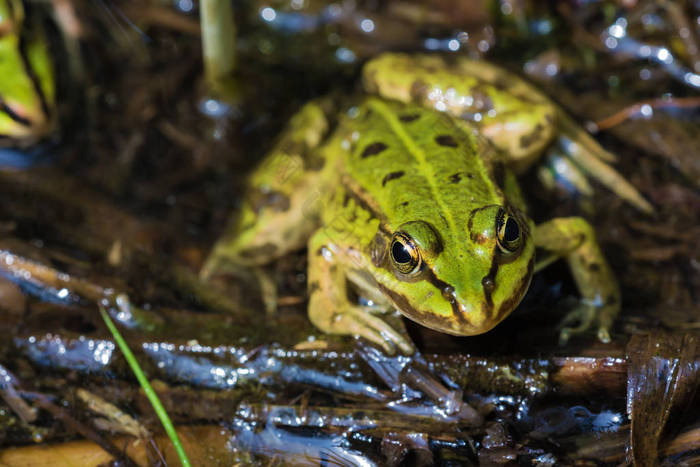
(411, 163)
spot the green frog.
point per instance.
(410, 195)
(27, 84)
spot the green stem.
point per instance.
(218, 40)
(147, 388)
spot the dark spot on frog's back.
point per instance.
(314, 287)
(293, 147)
(392, 176)
(407, 118)
(314, 162)
(418, 90)
(370, 81)
(373, 149)
(482, 101)
(530, 138)
(501, 83)
(446, 140)
(274, 200)
(267, 249)
(455, 178)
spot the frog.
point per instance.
(27, 79)
(409, 196)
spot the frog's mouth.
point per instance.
(518, 294)
(446, 324)
(488, 284)
(463, 322)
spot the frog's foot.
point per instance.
(573, 239)
(332, 311)
(584, 316)
(356, 321)
(584, 152)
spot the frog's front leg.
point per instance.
(573, 238)
(329, 307)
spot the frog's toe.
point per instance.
(584, 315)
(604, 334)
(600, 170)
(582, 318)
(376, 309)
(595, 161)
(606, 320)
(356, 327)
(559, 171)
(358, 322)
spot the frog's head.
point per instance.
(461, 283)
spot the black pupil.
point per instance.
(400, 253)
(512, 231)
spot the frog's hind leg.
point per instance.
(573, 238)
(329, 306)
(585, 153)
(280, 206)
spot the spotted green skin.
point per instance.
(27, 85)
(344, 183)
(436, 178)
(513, 115)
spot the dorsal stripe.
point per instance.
(419, 155)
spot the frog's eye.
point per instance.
(405, 255)
(507, 232)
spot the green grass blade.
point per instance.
(147, 389)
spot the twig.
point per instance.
(84, 430)
(660, 103)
